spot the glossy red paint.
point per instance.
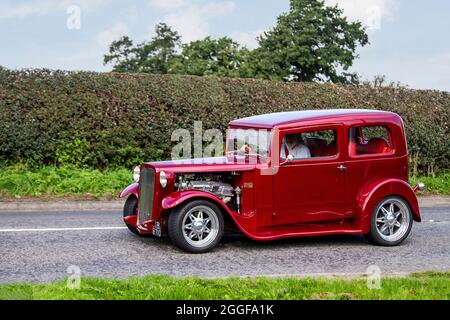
(131, 189)
(131, 220)
(179, 197)
(300, 198)
(374, 193)
(216, 164)
(333, 194)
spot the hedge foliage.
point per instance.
(102, 120)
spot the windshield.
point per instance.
(251, 142)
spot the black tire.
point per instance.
(375, 236)
(130, 209)
(179, 219)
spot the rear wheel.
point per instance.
(196, 227)
(130, 209)
(391, 222)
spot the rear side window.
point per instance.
(369, 140)
(310, 144)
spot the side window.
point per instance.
(369, 140)
(311, 144)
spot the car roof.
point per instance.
(285, 118)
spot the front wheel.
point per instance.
(391, 222)
(196, 227)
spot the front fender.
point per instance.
(379, 190)
(131, 189)
(180, 197)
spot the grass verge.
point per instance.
(22, 182)
(18, 182)
(421, 286)
(439, 184)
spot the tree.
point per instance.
(380, 81)
(312, 42)
(222, 57)
(123, 55)
(152, 57)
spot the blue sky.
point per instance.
(410, 40)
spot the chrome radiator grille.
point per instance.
(146, 193)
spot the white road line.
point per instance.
(61, 229)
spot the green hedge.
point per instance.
(102, 120)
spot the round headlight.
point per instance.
(136, 173)
(163, 179)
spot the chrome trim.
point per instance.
(392, 220)
(200, 226)
(146, 195)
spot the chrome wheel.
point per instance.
(392, 220)
(200, 226)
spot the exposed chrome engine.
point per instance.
(218, 188)
(223, 190)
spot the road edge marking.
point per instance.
(11, 230)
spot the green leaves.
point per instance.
(311, 42)
(149, 57)
(426, 286)
(122, 54)
(103, 120)
(20, 181)
(222, 57)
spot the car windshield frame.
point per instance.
(258, 139)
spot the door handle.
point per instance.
(342, 168)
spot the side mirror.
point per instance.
(288, 159)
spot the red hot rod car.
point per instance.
(349, 175)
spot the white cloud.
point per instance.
(106, 37)
(190, 24)
(369, 12)
(44, 7)
(191, 19)
(247, 39)
(85, 5)
(168, 4)
(25, 9)
(216, 9)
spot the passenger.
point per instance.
(293, 145)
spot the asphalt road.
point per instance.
(97, 243)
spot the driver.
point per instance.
(294, 145)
